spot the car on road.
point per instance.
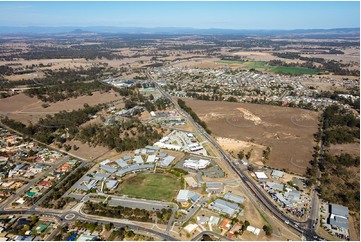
(287, 221)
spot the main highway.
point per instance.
(305, 228)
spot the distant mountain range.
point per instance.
(173, 30)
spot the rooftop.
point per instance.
(234, 198)
(339, 210)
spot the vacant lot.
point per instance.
(26, 109)
(151, 186)
(287, 131)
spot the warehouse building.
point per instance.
(338, 216)
(225, 207)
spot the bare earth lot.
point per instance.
(24, 109)
(287, 131)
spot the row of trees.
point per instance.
(121, 212)
(195, 117)
(55, 200)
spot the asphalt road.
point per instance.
(221, 237)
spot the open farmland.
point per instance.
(261, 65)
(26, 109)
(287, 131)
(151, 186)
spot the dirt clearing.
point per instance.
(287, 131)
(26, 109)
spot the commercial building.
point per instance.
(196, 164)
(185, 195)
(275, 186)
(260, 175)
(234, 198)
(338, 216)
(277, 174)
(191, 181)
(214, 187)
(225, 207)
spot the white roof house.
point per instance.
(213, 220)
(190, 228)
(253, 230)
(260, 175)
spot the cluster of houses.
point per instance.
(289, 196)
(223, 224)
(30, 231)
(265, 86)
(42, 186)
(21, 161)
(110, 171)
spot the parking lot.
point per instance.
(137, 203)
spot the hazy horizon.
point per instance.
(197, 15)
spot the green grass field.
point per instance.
(292, 70)
(275, 69)
(151, 186)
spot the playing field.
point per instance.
(151, 186)
(276, 69)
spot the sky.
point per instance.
(227, 15)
